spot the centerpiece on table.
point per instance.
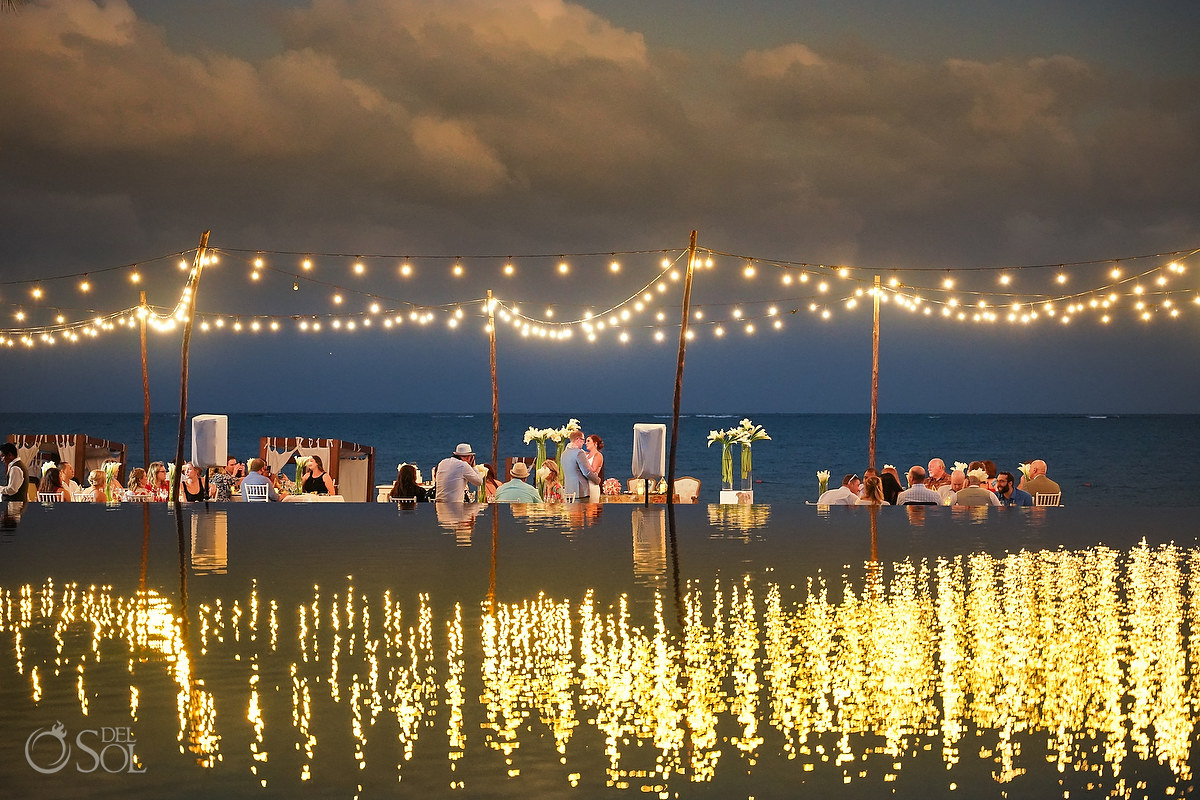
(111, 468)
(822, 481)
(538, 437)
(748, 434)
(298, 486)
(727, 439)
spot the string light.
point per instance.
(1148, 290)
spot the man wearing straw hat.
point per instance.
(454, 473)
(517, 490)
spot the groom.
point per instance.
(577, 473)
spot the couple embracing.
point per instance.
(583, 468)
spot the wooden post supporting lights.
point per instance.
(145, 384)
(190, 291)
(491, 309)
(683, 331)
(874, 379)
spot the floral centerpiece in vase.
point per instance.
(298, 486)
(822, 481)
(538, 436)
(748, 433)
(726, 438)
(112, 487)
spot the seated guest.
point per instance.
(52, 484)
(917, 493)
(257, 476)
(517, 490)
(95, 491)
(974, 494)
(67, 473)
(1007, 492)
(936, 478)
(138, 485)
(490, 483)
(456, 475)
(891, 485)
(844, 495)
(156, 475)
(223, 483)
(553, 488)
(990, 466)
(1038, 483)
(872, 492)
(316, 479)
(958, 482)
(406, 485)
(192, 488)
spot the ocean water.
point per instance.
(1098, 460)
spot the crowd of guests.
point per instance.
(457, 478)
(153, 483)
(980, 484)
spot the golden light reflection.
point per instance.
(1037, 664)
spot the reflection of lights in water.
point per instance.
(967, 659)
(740, 517)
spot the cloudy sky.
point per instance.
(921, 141)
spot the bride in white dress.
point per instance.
(593, 445)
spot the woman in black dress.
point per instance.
(316, 479)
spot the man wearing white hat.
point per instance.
(454, 473)
(517, 490)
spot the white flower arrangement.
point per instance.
(961, 466)
(1024, 470)
(889, 466)
(978, 474)
(47, 466)
(823, 475)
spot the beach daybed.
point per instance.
(351, 465)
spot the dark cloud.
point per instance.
(538, 125)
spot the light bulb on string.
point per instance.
(85, 285)
(563, 268)
(405, 269)
(307, 264)
(359, 269)
(614, 266)
(458, 270)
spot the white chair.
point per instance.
(137, 498)
(49, 497)
(569, 497)
(257, 492)
(687, 489)
(1047, 498)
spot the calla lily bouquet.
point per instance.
(1024, 470)
(958, 465)
(111, 468)
(300, 462)
(727, 439)
(822, 480)
(750, 433)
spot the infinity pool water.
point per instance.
(581, 651)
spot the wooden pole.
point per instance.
(192, 289)
(874, 379)
(683, 330)
(495, 388)
(145, 386)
